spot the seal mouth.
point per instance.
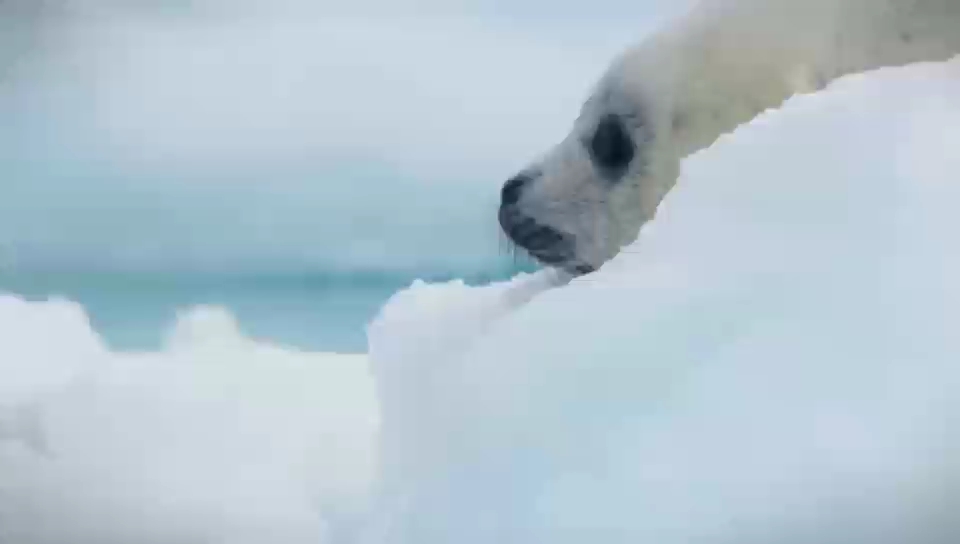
(544, 243)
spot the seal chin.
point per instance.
(544, 243)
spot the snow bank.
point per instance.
(216, 439)
(774, 360)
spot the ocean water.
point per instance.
(134, 311)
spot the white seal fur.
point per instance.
(713, 69)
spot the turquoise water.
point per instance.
(324, 312)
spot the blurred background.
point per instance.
(294, 161)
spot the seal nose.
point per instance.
(513, 189)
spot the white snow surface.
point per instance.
(773, 361)
(215, 439)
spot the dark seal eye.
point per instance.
(611, 147)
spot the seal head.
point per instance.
(577, 207)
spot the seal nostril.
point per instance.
(512, 189)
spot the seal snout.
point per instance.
(545, 243)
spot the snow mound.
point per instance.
(774, 359)
(215, 439)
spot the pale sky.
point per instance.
(407, 113)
